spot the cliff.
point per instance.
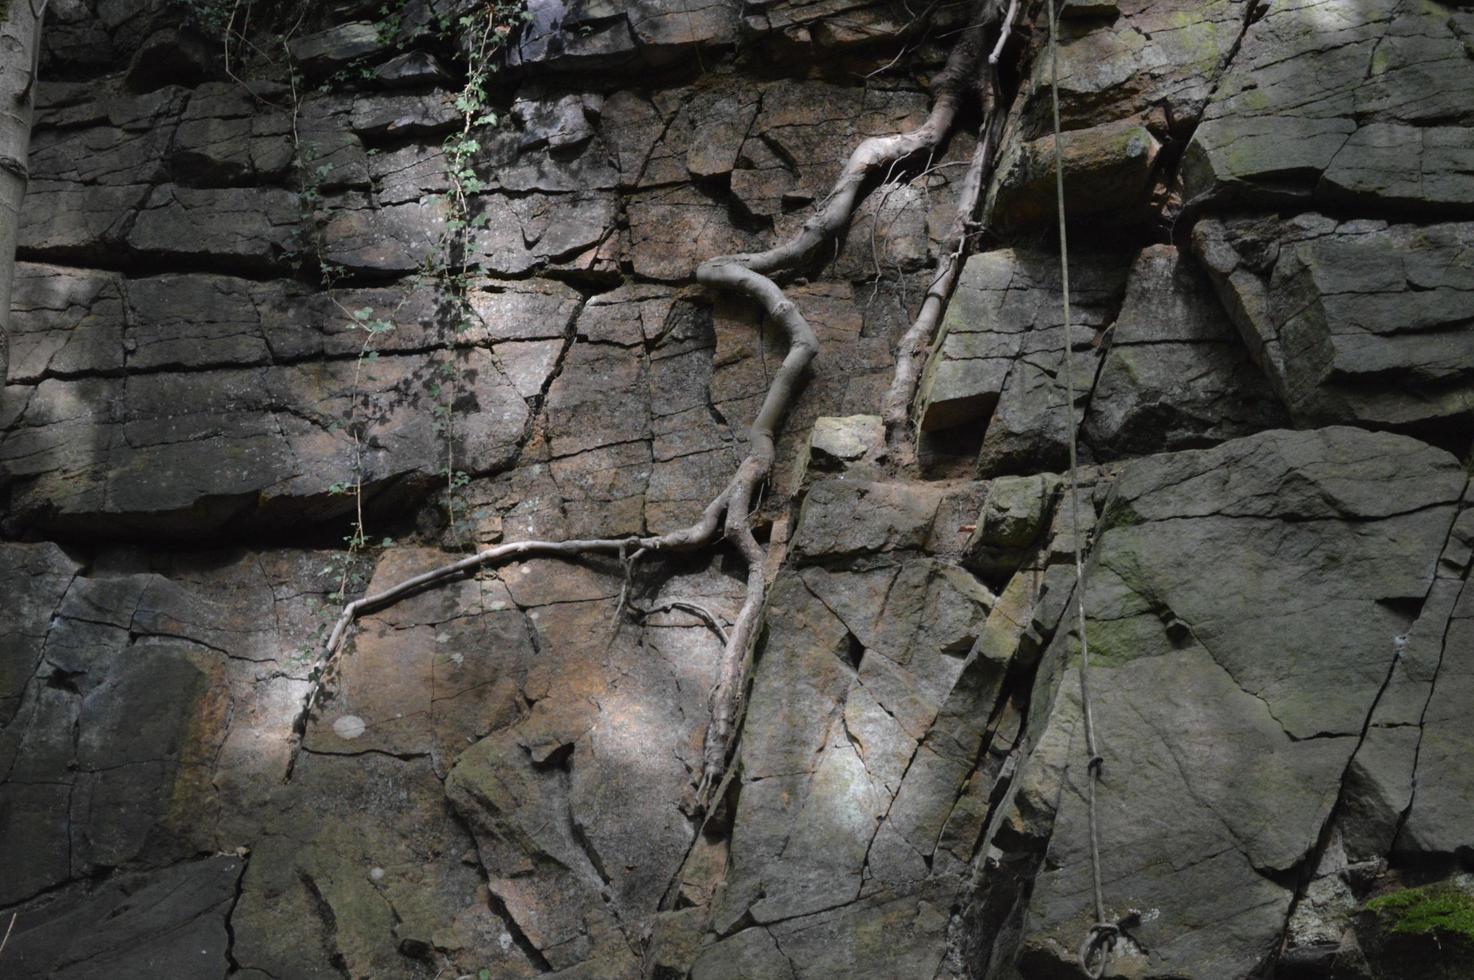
(313, 298)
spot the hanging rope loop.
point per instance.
(1100, 941)
(1101, 938)
(1096, 948)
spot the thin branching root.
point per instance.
(730, 515)
(910, 352)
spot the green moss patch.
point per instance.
(1433, 909)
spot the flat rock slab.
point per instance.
(1213, 628)
(170, 922)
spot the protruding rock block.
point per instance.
(1353, 321)
(849, 445)
(1005, 320)
(327, 51)
(1015, 516)
(1176, 374)
(1108, 168)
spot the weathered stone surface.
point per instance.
(805, 129)
(147, 713)
(127, 142)
(1119, 59)
(852, 445)
(1005, 320)
(224, 139)
(842, 519)
(1176, 374)
(670, 226)
(249, 230)
(411, 70)
(1354, 321)
(1355, 104)
(523, 233)
(71, 323)
(399, 116)
(390, 240)
(172, 56)
(1107, 168)
(342, 879)
(329, 50)
(1197, 660)
(69, 221)
(599, 743)
(601, 39)
(571, 37)
(867, 717)
(498, 778)
(122, 451)
(1437, 820)
(1420, 931)
(1012, 524)
(170, 922)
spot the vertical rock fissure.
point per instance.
(1407, 811)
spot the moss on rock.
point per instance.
(1422, 933)
(1440, 909)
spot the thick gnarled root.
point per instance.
(751, 276)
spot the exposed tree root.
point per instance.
(732, 510)
(911, 350)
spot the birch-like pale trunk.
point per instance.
(20, 37)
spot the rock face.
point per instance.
(263, 361)
(1353, 320)
(1212, 666)
(1354, 104)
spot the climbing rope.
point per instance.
(1101, 937)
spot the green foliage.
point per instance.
(1440, 910)
(480, 36)
(209, 16)
(484, 33)
(214, 17)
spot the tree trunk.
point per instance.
(20, 37)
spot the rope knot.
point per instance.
(1100, 940)
(1095, 950)
(1094, 765)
